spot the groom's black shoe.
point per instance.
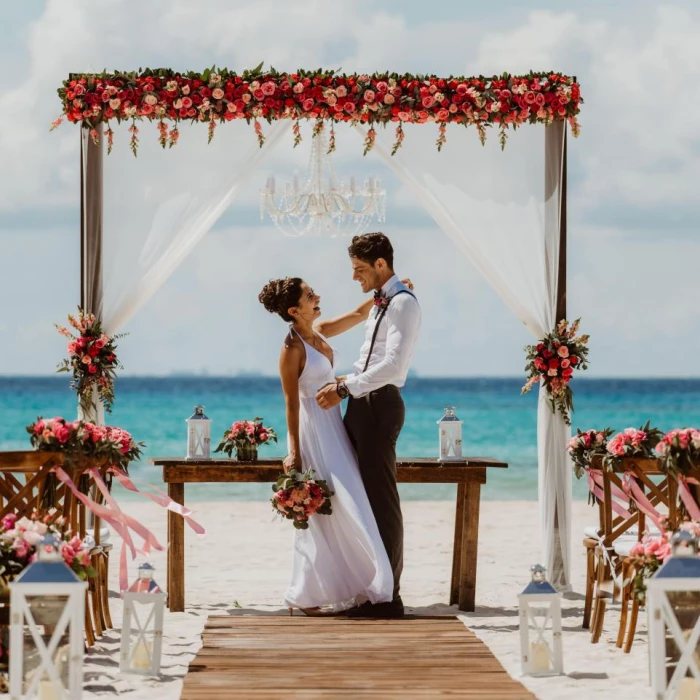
(378, 611)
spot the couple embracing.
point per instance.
(350, 562)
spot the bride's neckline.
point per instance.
(313, 347)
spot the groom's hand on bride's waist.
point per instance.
(328, 396)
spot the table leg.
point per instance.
(470, 542)
(457, 548)
(176, 552)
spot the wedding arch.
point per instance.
(527, 272)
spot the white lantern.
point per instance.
(673, 606)
(198, 434)
(47, 603)
(540, 627)
(450, 436)
(142, 625)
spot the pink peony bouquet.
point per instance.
(553, 361)
(246, 433)
(92, 359)
(679, 450)
(299, 495)
(115, 445)
(19, 538)
(632, 442)
(585, 445)
(651, 552)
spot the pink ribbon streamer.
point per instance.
(688, 501)
(162, 499)
(595, 486)
(631, 486)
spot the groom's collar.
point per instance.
(389, 285)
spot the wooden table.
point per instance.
(469, 475)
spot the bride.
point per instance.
(339, 562)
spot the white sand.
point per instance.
(244, 560)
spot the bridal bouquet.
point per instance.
(553, 361)
(92, 359)
(585, 445)
(20, 536)
(115, 445)
(299, 495)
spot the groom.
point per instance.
(375, 411)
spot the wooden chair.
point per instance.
(26, 485)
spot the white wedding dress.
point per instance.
(339, 561)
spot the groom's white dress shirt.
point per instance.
(393, 346)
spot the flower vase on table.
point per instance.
(244, 437)
(246, 452)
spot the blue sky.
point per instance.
(633, 217)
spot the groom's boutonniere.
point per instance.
(381, 301)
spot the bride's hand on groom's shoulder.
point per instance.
(291, 462)
(408, 283)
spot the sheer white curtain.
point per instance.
(157, 207)
(492, 205)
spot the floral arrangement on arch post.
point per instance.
(244, 437)
(553, 361)
(92, 359)
(299, 495)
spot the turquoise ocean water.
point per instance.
(498, 421)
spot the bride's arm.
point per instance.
(340, 324)
(291, 359)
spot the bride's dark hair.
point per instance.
(278, 295)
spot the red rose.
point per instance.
(553, 363)
(92, 369)
(566, 373)
(573, 359)
(94, 351)
(546, 353)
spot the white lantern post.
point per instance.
(142, 636)
(673, 605)
(198, 434)
(540, 615)
(47, 602)
(450, 436)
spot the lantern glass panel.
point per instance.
(141, 641)
(686, 608)
(46, 611)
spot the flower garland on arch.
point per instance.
(218, 95)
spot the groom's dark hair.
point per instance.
(369, 247)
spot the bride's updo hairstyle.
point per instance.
(278, 295)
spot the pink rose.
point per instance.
(442, 115)
(186, 102)
(246, 97)
(62, 434)
(258, 94)
(268, 88)
(428, 101)
(349, 107)
(563, 351)
(382, 86)
(389, 99)
(369, 95)
(565, 363)
(150, 99)
(298, 88)
(308, 104)
(341, 91)
(217, 93)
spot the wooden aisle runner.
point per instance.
(260, 657)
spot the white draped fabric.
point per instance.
(493, 206)
(157, 207)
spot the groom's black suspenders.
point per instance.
(379, 320)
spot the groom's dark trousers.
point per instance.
(374, 423)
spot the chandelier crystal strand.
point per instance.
(320, 206)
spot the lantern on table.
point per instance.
(673, 606)
(540, 627)
(47, 602)
(450, 436)
(142, 625)
(198, 434)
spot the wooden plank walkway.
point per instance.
(269, 657)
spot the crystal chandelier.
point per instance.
(319, 205)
